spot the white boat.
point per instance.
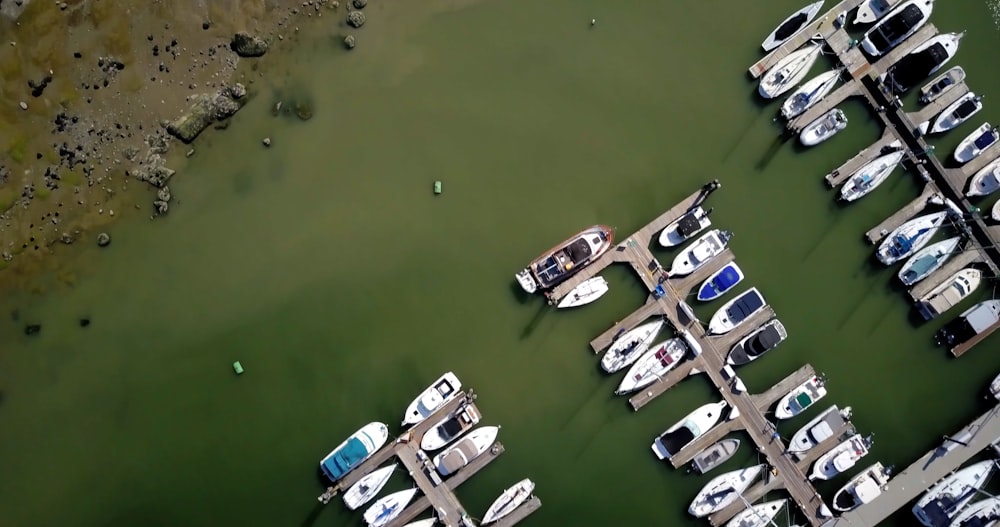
(871, 11)
(723, 490)
(758, 515)
(985, 182)
(367, 487)
(736, 311)
(995, 212)
(427, 522)
(566, 259)
(791, 25)
(354, 450)
(821, 428)
(983, 513)
(922, 62)
(800, 398)
(870, 176)
(957, 113)
(810, 93)
(700, 251)
(470, 447)
(841, 458)
(720, 282)
(788, 71)
(511, 499)
(630, 346)
(653, 365)
(995, 387)
(974, 144)
(949, 293)
(386, 509)
(714, 455)
(898, 24)
(862, 488)
(927, 260)
(435, 396)
(909, 237)
(823, 128)
(683, 228)
(757, 343)
(693, 426)
(449, 428)
(941, 503)
(941, 84)
(586, 292)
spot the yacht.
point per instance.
(354, 450)
(653, 365)
(449, 428)
(706, 247)
(821, 428)
(462, 453)
(941, 503)
(683, 228)
(630, 346)
(871, 11)
(566, 259)
(983, 513)
(435, 396)
(800, 398)
(862, 489)
(367, 487)
(922, 62)
(511, 499)
(841, 458)
(758, 515)
(715, 455)
(736, 311)
(903, 21)
(957, 113)
(791, 25)
(927, 260)
(720, 282)
(823, 128)
(949, 292)
(383, 511)
(723, 490)
(909, 237)
(974, 144)
(986, 181)
(809, 94)
(586, 292)
(870, 176)
(757, 343)
(688, 429)
(970, 323)
(941, 84)
(789, 71)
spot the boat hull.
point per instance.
(871, 11)
(720, 282)
(985, 182)
(685, 227)
(941, 84)
(758, 515)
(886, 35)
(949, 293)
(367, 487)
(800, 399)
(630, 346)
(823, 128)
(715, 455)
(760, 341)
(469, 448)
(723, 490)
(927, 260)
(925, 60)
(697, 423)
(909, 237)
(656, 362)
(957, 486)
(791, 25)
(450, 428)
(809, 94)
(386, 509)
(736, 311)
(861, 489)
(820, 428)
(948, 118)
(510, 500)
(870, 176)
(841, 458)
(700, 252)
(974, 144)
(588, 291)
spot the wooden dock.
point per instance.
(960, 350)
(867, 155)
(520, 513)
(849, 89)
(880, 231)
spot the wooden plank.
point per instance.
(960, 350)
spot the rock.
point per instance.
(266, 141)
(359, 4)
(356, 18)
(23, 105)
(103, 239)
(206, 109)
(67, 237)
(349, 42)
(277, 109)
(32, 329)
(161, 206)
(247, 45)
(84, 322)
(303, 110)
(7, 257)
(163, 194)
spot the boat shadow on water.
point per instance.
(536, 319)
(774, 148)
(522, 296)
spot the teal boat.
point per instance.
(352, 452)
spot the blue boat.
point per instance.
(720, 282)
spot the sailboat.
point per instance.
(909, 237)
(511, 499)
(757, 515)
(386, 509)
(788, 72)
(944, 500)
(870, 176)
(630, 346)
(927, 260)
(367, 487)
(809, 94)
(791, 25)
(723, 490)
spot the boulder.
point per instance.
(349, 42)
(247, 45)
(359, 4)
(205, 109)
(356, 18)
(103, 239)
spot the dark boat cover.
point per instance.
(790, 27)
(955, 332)
(765, 340)
(726, 279)
(915, 67)
(745, 306)
(988, 138)
(941, 510)
(965, 109)
(941, 85)
(902, 244)
(688, 225)
(674, 441)
(895, 27)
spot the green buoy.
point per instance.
(437, 187)
(237, 367)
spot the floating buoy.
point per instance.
(437, 187)
(237, 367)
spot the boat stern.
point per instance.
(526, 281)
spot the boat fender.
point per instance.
(238, 368)
(437, 187)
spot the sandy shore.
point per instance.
(87, 89)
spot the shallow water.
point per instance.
(326, 266)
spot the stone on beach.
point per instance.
(103, 239)
(356, 18)
(247, 45)
(205, 109)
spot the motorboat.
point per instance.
(511, 499)
(957, 112)
(720, 282)
(449, 428)
(927, 260)
(941, 84)
(683, 228)
(941, 503)
(909, 237)
(566, 259)
(871, 11)
(800, 398)
(693, 426)
(970, 323)
(823, 128)
(723, 490)
(949, 293)
(464, 451)
(862, 488)
(821, 428)
(983, 513)
(757, 343)
(630, 346)
(791, 25)
(985, 182)
(995, 387)
(810, 93)
(700, 251)
(789, 71)
(586, 292)
(383, 511)
(757, 516)
(870, 176)
(714, 455)
(368, 487)
(435, 396)
(736, 311)
(841, 458)
(354, 450)
(903, 21)
(656, 362)
(922, 62)
(974, 143)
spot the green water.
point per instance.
(327, 267)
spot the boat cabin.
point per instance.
(939, 513)
(566, 260)
(743, 307)
(887, 35)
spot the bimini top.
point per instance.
(689, 225)
(345, 459)
(728, 277)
